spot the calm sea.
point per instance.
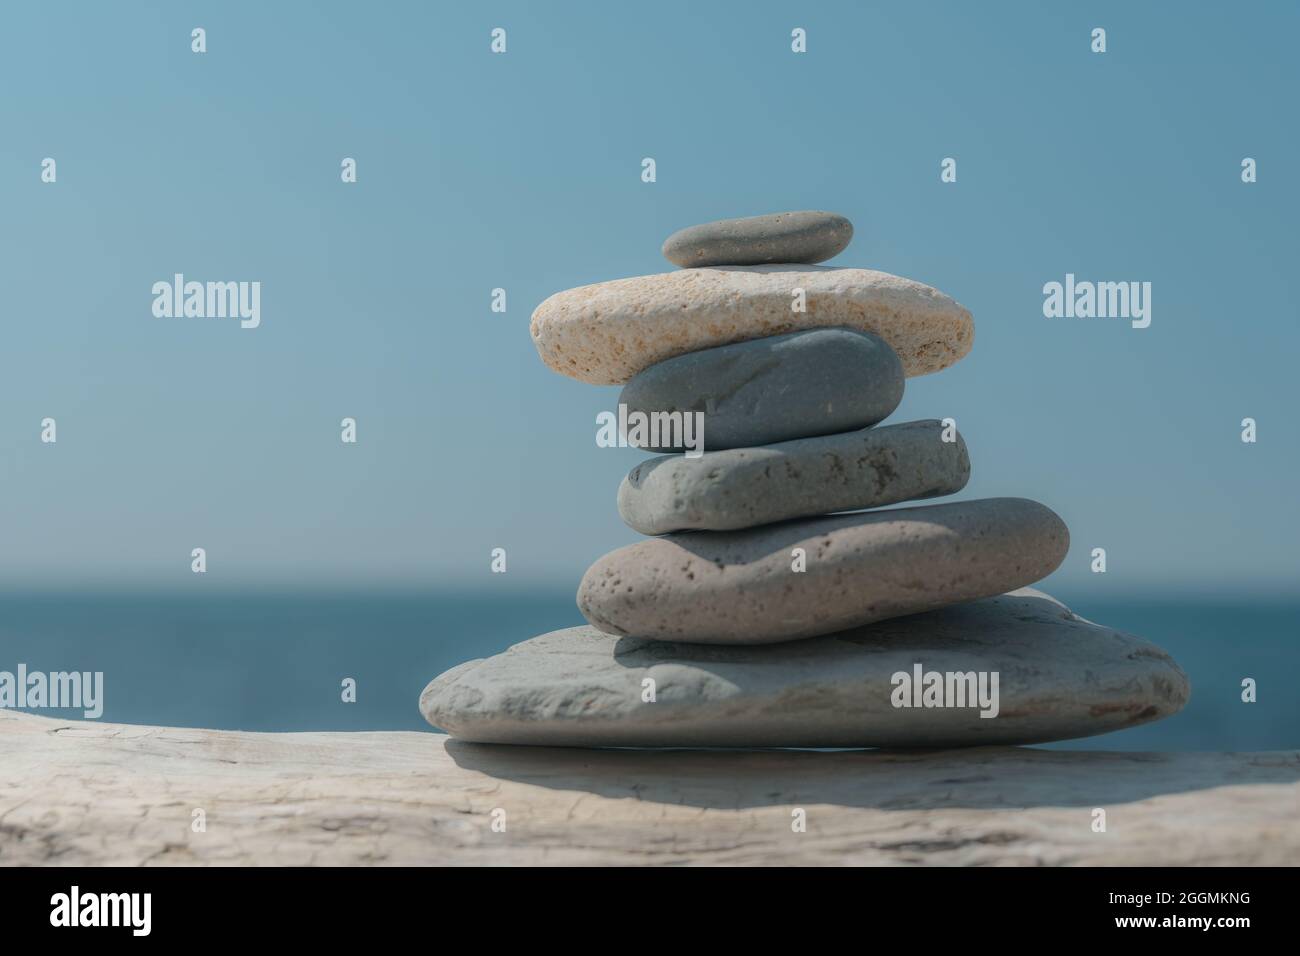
(276, 662)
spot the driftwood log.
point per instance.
(92, 793)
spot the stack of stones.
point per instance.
(771, 608)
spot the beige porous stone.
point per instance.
(605, 333)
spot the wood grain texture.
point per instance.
(93, 793)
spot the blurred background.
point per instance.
(522, 171)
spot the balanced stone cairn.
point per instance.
(771, 608)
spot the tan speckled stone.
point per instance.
(743, 587)
(606, 333)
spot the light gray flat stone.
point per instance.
(745, 487)
(780, 237)
(740, 587)
(774, 389)
(606, 333)
(1059, 677)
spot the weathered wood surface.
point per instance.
(92, 793)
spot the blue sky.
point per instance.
(523, 171)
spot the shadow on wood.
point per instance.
(116, 794)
